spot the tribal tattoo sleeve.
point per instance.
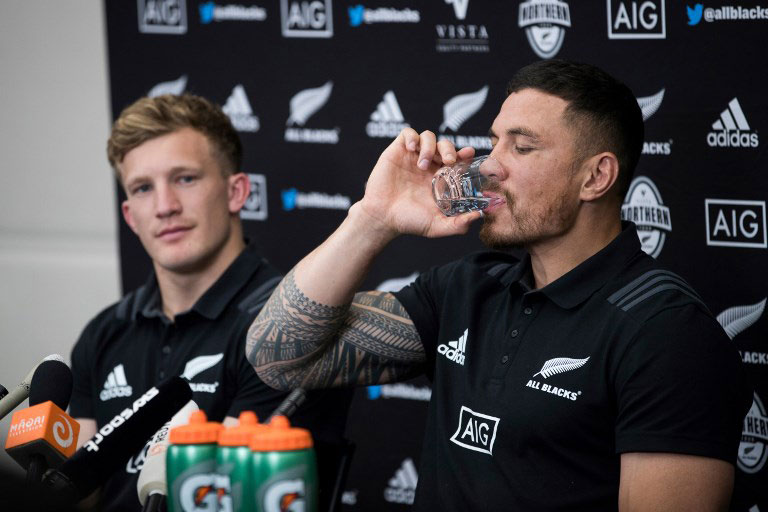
(296, 342)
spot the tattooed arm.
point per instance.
(299, 343)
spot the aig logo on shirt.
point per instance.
(476, 431)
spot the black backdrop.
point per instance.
(318, 88)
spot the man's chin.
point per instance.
(496, 241)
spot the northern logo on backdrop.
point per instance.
(304, 105)
(648, 106)
(735, 223)
(387, 120)
(302, 18)
(698, 12)
(731, 129)
(211, 12)
(459, 35)
(643, 206)
(255, 207)
(238, 109)
(456, 112)
(361, 15)
(753, 448)
(162, 16)
(544, 22)
(637, 19)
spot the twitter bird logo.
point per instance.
(356, 15)
(694, 14)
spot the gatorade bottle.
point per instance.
(284, 468)
(191, 464)
(234, 485)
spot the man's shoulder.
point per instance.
(258, 288)
(493, 263)
(112, 318)
(645, 288)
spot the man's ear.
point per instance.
(602, 171)
(238, 190)
(128, 216)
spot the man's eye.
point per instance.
(523, 149)
(139, 189)
(187, 179)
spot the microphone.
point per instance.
(152, 482)
(21, 392)
(3, 391)
(116, 441)
(288, 406)
(43, 435)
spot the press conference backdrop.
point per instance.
(317, 89)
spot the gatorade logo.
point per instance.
(285, 496)
(198, 493)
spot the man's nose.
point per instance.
(492, 169)
(167, 201)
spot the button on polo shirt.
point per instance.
(536, 392)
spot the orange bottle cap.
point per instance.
(198, 431)
(241, 434)
(281, 437)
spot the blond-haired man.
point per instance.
(178, 159)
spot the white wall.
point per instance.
(58, 228)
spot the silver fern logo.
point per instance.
(560, 365)
(738, 318)
(650, 104)
(200, 364)
(175, 87)
(303, 106)
(554, 367)
(457, 111)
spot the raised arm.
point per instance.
(314, 331)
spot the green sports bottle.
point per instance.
(234, 484)
(284, 469)
(190, 465)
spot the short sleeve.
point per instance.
(680, 388)
(81, 403)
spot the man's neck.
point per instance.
(553, 258)
(180, 291)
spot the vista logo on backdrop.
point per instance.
(170, 87)
(648, 106)
(544, 22)
(162, 16)
(255, 207)
(387, 120)
(360, 15)
(302, 18)
(461, 37)
(732, 130)
(636, 19)
(643, 206)
(303, 106)
(735, 223)
(239, 111)
(210, 12)
(456, 112)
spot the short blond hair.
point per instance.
(148, 118)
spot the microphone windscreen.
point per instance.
(3, 391)
(52, 381)
(124, 436)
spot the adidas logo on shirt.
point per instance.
(238, 109)
(732, 129)
(402, 486)
(116, 385)
(455, 350)
(387, 120)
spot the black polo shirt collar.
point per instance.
(213, 302)
(580, 283)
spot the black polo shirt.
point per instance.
(131, 346)
(536, 393)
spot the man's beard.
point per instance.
(527, 227)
